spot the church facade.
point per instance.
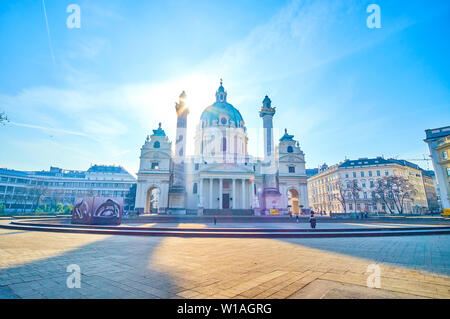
(221, 177)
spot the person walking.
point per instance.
(215, 220)
(296, 218)
(312, 221)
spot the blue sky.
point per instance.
(342, 89)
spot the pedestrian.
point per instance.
(296, 218)
(215, 220)
(312, 221)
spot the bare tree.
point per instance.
(393, 191)
(354, 190)
(37, 194)
(342, 195)
(349, 192)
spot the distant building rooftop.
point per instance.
(59, 172)
(377, 161)
(13, 172)
(364, 162)
(437, 133)
(428, 173)
(312, 171)
(107, 169)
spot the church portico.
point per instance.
(225, 192)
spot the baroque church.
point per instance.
(221, 178)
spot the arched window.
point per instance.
(290, 149)
(224, 144)
(156, 145)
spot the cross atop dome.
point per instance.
(221, 94)
(286, 136)
(159, 131)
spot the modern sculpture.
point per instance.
(97, 211)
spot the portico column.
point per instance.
(220, 193)
(243, 193)
(252, 192)
(200, 198)
(210, 193)
(234, 194)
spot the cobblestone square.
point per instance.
(34, 264)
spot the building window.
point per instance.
(371, 184)
(346, 175)
(291, 169)
(448, 171)
(194, 190)
(370, 173)
(155, 165)
(224, 144)
(156, 145)
(290, 149)
(223, 120)
(362, 174)
(196, 166)
(386, 173)
(378, 173)
(354, 174)
(445, 155)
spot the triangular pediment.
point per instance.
(155, 155)
(228, 167)
(291, 158)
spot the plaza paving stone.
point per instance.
(33, 265)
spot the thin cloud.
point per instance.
(48, 33)
(51, 129)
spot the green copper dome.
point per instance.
(221, 112)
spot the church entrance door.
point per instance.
(225, 201)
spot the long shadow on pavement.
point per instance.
(430, 253)
(114, 267)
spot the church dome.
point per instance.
(221, 112)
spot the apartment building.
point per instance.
(24, 191)
(438, 141)
(326, 189)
